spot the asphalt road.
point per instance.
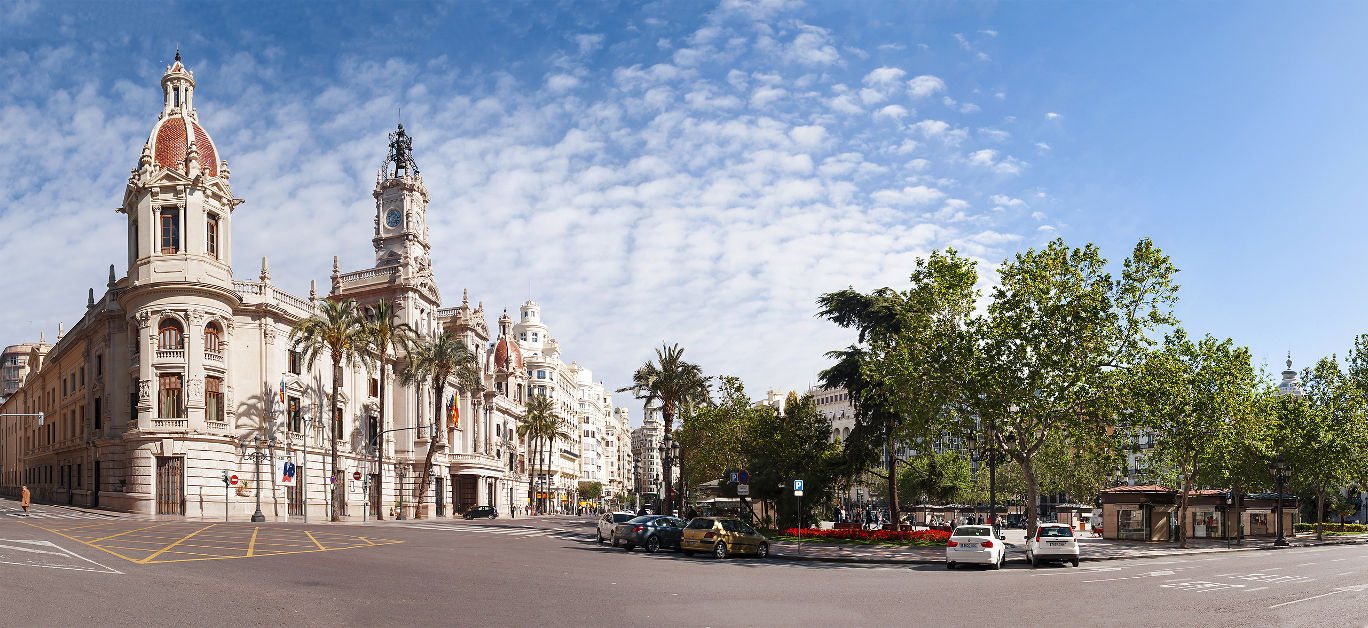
(551, 572)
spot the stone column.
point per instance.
(194, 369)
(146, 386)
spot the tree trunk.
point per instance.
(1320, 515)
(380, 445)
(1182, 511)
(336, 509)
(434, 439)
(1032, 495)
(893, 506)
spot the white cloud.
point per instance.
(884, 76)
(989, 32)
(892, 112)
(969, 108)
(925, 85)
(988, 158)
(994, 135)
(589, 42)
(813, 47)
(1051, 116)
(561, 82)
(808, 135)
(911, 195)
(1002, 202)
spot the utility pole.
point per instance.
(256, 457)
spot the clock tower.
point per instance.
(401, 230)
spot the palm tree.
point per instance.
(335, 330)
(438, 359)
(541, 422)
(675, 385)
(385, 334)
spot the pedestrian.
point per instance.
(24, 499)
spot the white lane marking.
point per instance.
(1338, 560)
(28, 546)
(1200, 586)
(1307, 599)
(1306, 564)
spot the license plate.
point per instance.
(1056, 542)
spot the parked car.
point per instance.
(609, 520)
(978, 545)
(651, 532)
(722, 536)
(483, 512)
(1052, 541)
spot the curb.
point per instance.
(941, 561)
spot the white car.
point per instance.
(977, 545)
(608, 521)
(1052, 541)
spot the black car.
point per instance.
(652, 532)
(487, 512)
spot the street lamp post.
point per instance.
(661, 508)
(402, 472)
(256, 457)
(1281, 472)
(674, 458)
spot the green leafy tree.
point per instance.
(1078, 467)
(789, 445)
(1194, 398)
(941, 478)
(387, 338)
(334, 330)
(1318, 432)
(590, 490)
(1057, 330)
(673, 384)
(1356, 369)
(906, 375)
(714, 435)
(438, 361)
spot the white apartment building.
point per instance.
(648, 468)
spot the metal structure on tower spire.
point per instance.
(401, 154)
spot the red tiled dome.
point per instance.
(507, 355)
(170, 146)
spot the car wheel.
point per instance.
(949, 564)
(686, 552)
(1075, 561)
(720, 551)
(600, 538)
(493, 516)
(762, 550)
(628, 546)
(1035, 560)
(997, 564)
(652, 544)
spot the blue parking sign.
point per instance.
(733, 478)
(797, 485)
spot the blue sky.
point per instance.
(699, 172)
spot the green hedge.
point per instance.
(1332, 527)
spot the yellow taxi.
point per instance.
(722, 536)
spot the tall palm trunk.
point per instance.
(336, 514)
(380, 447)
(434, 440)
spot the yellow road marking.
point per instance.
(128, 532)
(251, 547)
(80, 541)
(182, 540)
(311, 538)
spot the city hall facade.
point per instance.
(180, 370)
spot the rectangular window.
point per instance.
(296, 362)
(296, 418)
(170, 230)
(64, 388)
(211, 235)
(98, 421)
(133, 406)
(213, 399)
(99, 365)
(170, 401)
(78, 475)
(337, 424)
(82, 378)
(374, 387)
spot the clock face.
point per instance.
(392, 218)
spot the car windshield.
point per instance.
(972, 531)
(701, 524)
(644, 519)
(621, 517)
(1056, 531)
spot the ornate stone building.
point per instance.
(179, 369)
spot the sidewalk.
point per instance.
(1091, 549)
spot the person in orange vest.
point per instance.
(24, 499)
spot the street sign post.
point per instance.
(743, 477)
(798, 485)
(798, 493)
(356, 475)
(229, 480)
(743, 490)
(734, 477)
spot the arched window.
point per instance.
(170, 335)
(213, 338)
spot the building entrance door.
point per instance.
(468, 491)
(375, 503)
(294, 495)
(170, 485)
(95, 488)
(439, 494)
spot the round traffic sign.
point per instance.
(233, 479)
(356, 475)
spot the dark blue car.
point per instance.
(651, 532)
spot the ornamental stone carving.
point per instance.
(144, 390)
(144, 319)
(194, 391)
(270, 332)
(194, 316)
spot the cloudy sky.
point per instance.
(698, 172)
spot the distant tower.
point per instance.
(1289, 384)
(401, 233)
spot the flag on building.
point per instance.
(282, 390)
(454, 411)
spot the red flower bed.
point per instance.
(919, 536)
